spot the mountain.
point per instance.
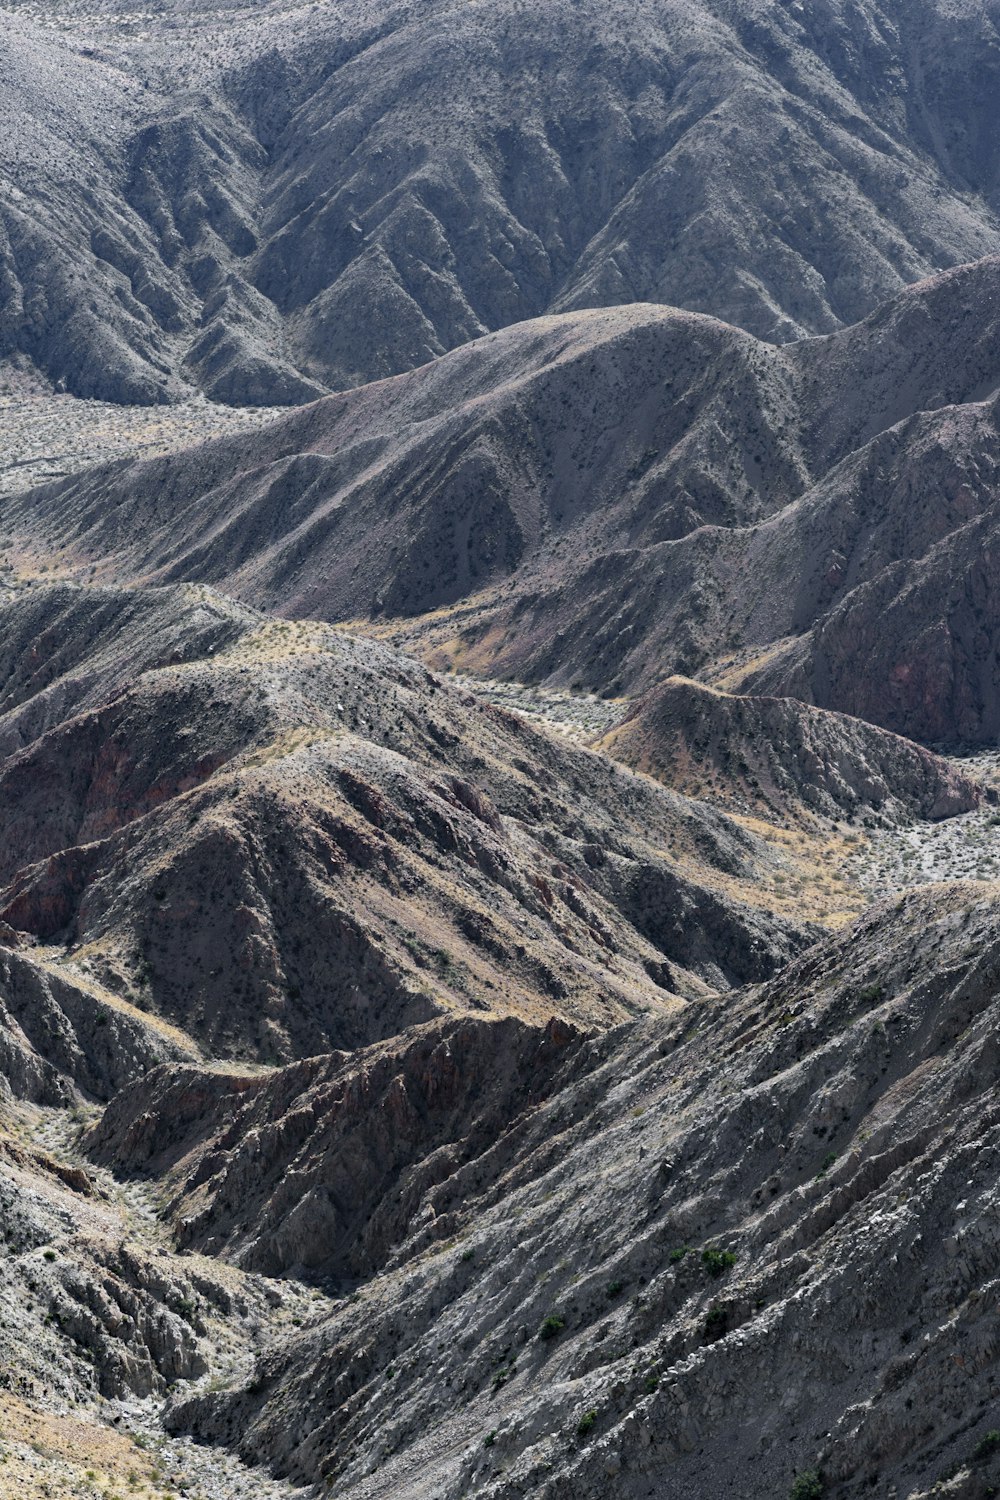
(282, 839)
(474, 691)
(607, 498)
(267, 201)
(788, 763)
(709, 1253)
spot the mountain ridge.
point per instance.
(265, 203)
(606, 498)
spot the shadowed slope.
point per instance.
(829, 1139)
(608, 497)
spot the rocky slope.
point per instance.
(609, 497)
(264, 201)
(99, 1319)
(320, 1168)
(282, 839)
(787, 762)
(608, 1133)
(716, 1251)
(63, 1035)
(399, 1100)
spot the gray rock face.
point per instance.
(267, 203)
(92, 1310)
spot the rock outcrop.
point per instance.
(62, 1035)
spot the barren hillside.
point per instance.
(714, 1252)
(281, 839)
(605, 498)
(263, 201)
(499, 787)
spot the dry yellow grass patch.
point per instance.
(276, 640)
(730, 673)
(813, 885)
(50, 1456)
(56, 962)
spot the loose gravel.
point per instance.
(48, 437)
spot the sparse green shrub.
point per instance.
(987, 1446)
(614, 1289)
(490, 1439)
(872, 993)
(551, 1327)
(716, 1322)
(826, 1163)
(468, 1254)
(49, 1254)
(677, 1254)
(717, 1262)
(807, 1486)
(652, 1382)
(585, 1423)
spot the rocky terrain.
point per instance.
(280, 839)
(100, 1319)
(785, 761)
(600, 500)
(719, 1250)
(965, 847)
(500, 864)
(608, 1124)
(263, 201)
